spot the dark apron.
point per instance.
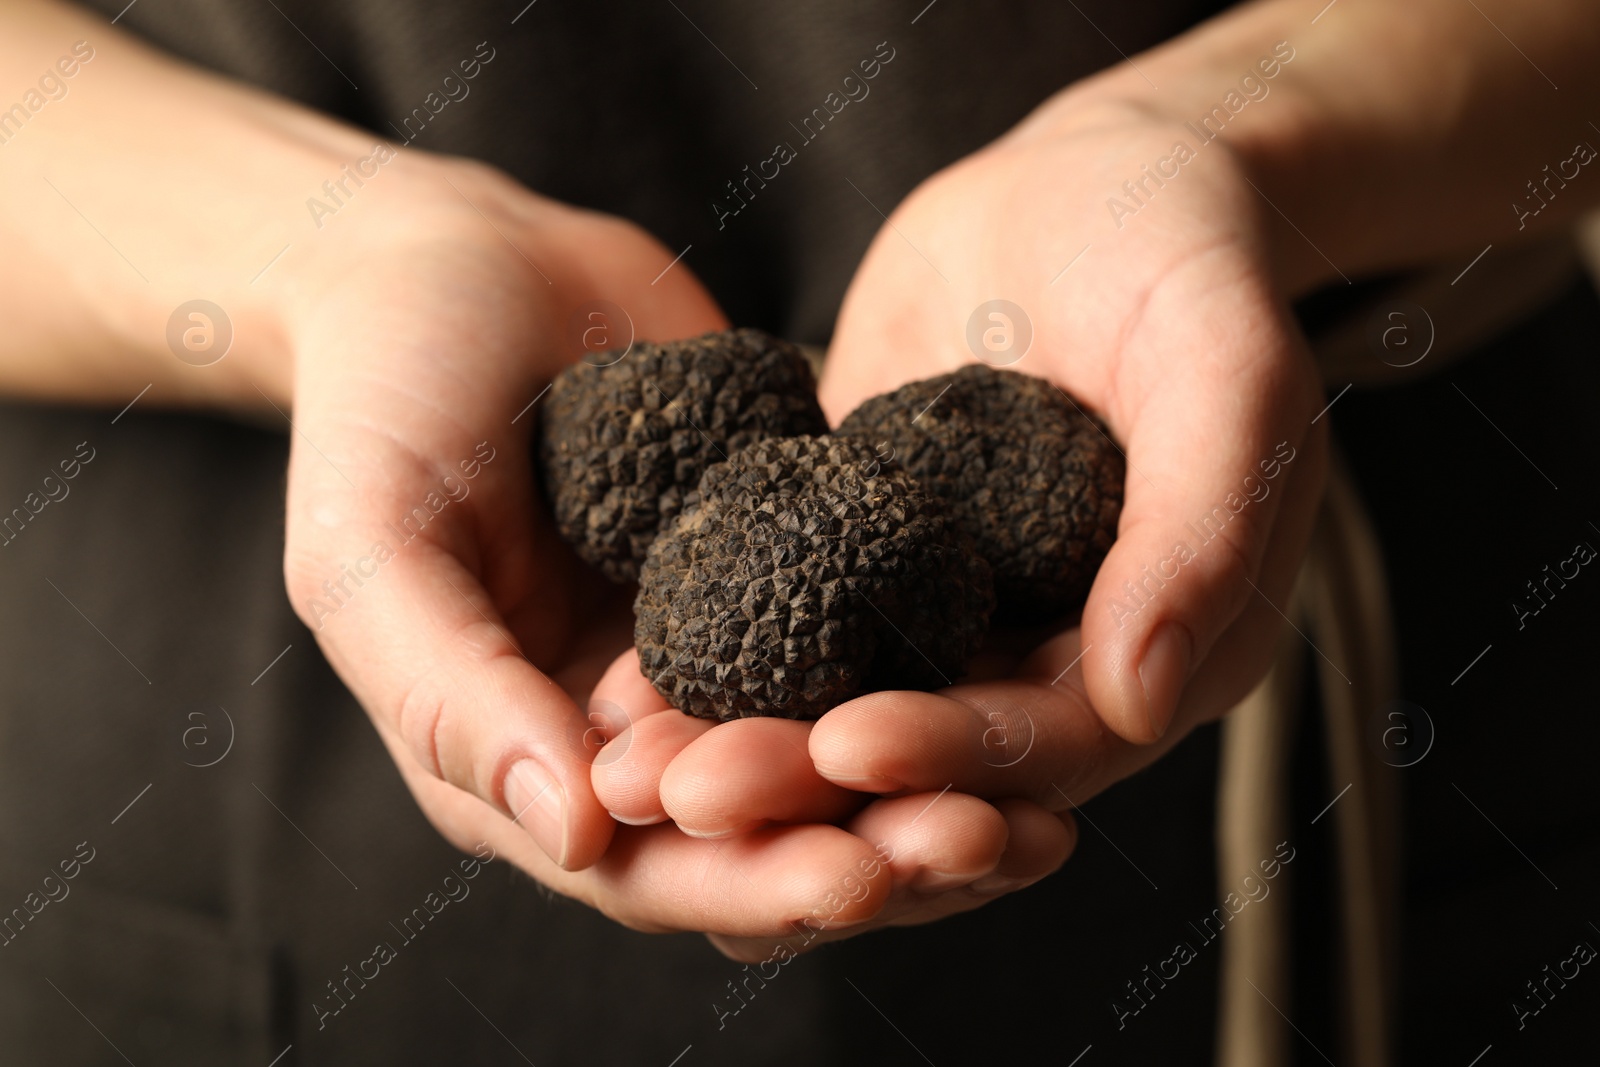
(252, 847)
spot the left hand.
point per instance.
(933, 853)
(1173, 329)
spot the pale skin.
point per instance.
(424, 316)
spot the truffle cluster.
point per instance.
(1032, 477)
(783, 570)
(621, 443)
(803, 574)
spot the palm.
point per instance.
(1164, 321)
(1169, 327)
(474, 643)
(466, 628)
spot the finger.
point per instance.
(981, 853)
(922, 845)
(627, 774)
(641, 733)
(1037, 843)
(660, 295)
(934, 841)
(1016, 738)
(1210, 435)
(1243, 653)
(749, 772)
(622, 697)
(427, 654)
(760, 884)
(658, 880)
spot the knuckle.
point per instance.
(420, 719)
(302, 575)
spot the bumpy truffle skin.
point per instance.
(802, 574)
(1027, 472)
(620, 444)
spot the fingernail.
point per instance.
(929, 880)
(648, 820)
(995, 883)
(1163, 673)
(538, 803)
(868, 784)
(718, 835)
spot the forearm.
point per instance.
(1397, 133)
(136, 184)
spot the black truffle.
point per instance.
(1027, 472)
(620, 444)
(801, 574)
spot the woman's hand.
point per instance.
(418, 548)
(407, 335)
(1165, 320)
(1159, 312)
(421, 554)
(750, 784)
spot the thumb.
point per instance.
(1213, 443)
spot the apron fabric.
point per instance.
(167, 715)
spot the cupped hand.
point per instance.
(1165, 321)
(748, 784)
(419, 552)
(434, 312)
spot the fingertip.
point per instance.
(1136, 688)
(852, 746)
(935, 841)
(1131, 693)
(590, 826)
(1163, 673)
(626, 775)
(748, 772)
(1069, 823)
(1038, 845)
(559, 811)
(620, 698)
